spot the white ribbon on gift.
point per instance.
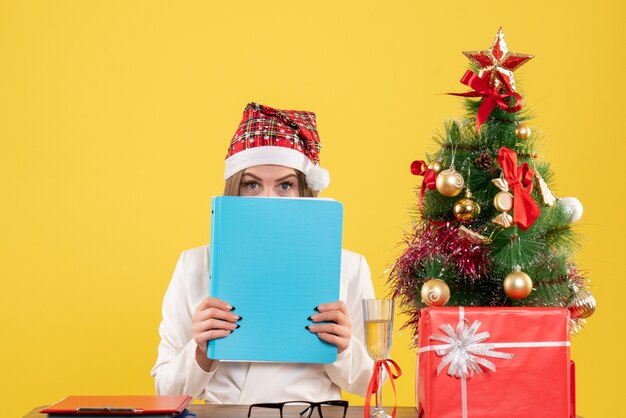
(463, 348)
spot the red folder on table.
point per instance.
(82, 406)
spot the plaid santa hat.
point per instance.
(268, 136)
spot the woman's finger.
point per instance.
(217, 314)
(340, 343)
(332, 306)
(211, 302)
(333, 329)
(210, 324)
(335, 316)
(203, 338)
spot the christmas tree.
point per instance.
(488, 231)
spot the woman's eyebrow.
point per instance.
(288, 176)
(253, 176)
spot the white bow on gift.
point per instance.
(463, 349)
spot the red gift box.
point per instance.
(572, 392)
(494, 362)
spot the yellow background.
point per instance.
(115, 117)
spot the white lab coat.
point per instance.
(176, 371)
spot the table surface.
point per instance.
(241, 411)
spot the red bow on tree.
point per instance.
(520, 179)
(491, 96)
(419, 168)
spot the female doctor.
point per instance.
(274, 153)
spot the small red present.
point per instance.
(494, 362)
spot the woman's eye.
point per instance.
(285, 186)
(251, 185)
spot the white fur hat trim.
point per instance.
(317, 178)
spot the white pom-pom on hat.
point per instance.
(317, 178)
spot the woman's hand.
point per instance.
(338, 332)
(212, 319)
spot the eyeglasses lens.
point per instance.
(332, 411)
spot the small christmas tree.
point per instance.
(488, 230)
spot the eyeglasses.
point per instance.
(293, 409)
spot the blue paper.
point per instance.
(275, 260)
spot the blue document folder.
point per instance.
(275, 260)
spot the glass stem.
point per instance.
(379, 393)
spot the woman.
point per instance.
(274, 153)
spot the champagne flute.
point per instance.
(378, 318)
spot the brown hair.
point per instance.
(233, 184)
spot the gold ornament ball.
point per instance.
(466, 210)
(583, 305)
(450, 182)
(522, 132)
(436, 166)
(435, 292)
(518, 285)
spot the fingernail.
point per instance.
(240, 318)
(238, 326)
(310, 318)
(316, 308)
(232, 308)
(307, 327)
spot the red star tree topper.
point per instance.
(498, 62)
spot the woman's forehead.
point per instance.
(270, 171)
